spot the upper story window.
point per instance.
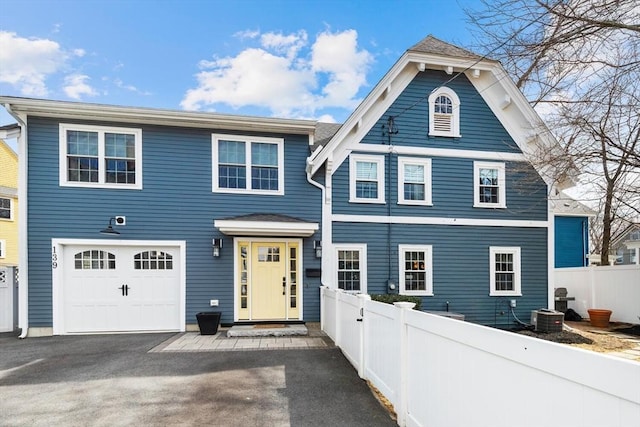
(504, 267)
(416, 270)
(489, 185)
(243, 164)
(97, 156)
(444, 113)
(5, 209)
(3, 245)
(414, 181)
(366, 178)
(352, 267)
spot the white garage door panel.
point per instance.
(114, 293)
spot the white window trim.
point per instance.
(517, 285)
(101, 130)
(502, 185)
(3, 248)
(247, 140)
(455, 115)
(428, 257)
(10, 209)
(379, 161)
(402, 161)
(362, 247)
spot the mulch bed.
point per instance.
(564, 337)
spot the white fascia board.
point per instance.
(10, 133)
(84, 111)
(380, 99)
(265, 228)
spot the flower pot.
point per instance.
(599, 318)
(208, 322)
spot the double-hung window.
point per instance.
(5, 209)
(414, 181)
(243, 164)
(416, 270)
(504, 267)
(352, 267)
(98, 156)
(489, 186)
(366, 178)
(444, 113)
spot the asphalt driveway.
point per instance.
(112, 380)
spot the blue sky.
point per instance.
(299, 59)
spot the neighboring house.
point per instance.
(425, 190)
(8, 204)
(571, 222)
(626, 245)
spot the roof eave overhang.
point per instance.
(82, 111)
(381, 93)
(266, 228)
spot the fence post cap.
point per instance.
(405, 304)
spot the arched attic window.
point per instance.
(444, 113)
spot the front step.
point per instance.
(267, 330)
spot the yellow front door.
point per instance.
(268, 280)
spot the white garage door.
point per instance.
(121, 289)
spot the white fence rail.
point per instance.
(443, 372)
(615, 288)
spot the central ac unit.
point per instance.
(545, 320)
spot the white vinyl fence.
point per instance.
(438, 371)
(615, 288)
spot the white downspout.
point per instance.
(23, 257)
(325, 229)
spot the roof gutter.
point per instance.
(85, 111)
(23, 257)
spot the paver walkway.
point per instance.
(632, 353)
(194, 342)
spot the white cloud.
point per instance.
(283, 75)
(131, 88)
(338, 55)
(76, 86)
(247, 34)
(26, 63)
(79, 52)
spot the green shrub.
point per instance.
(391, 298)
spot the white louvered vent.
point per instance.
(442, 122)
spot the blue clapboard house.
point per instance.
(136, 219)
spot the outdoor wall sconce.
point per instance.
(117, 220)
(317, 246)
(217, 245)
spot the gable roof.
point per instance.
(434, 46)
(565, 205)
(488, 77)
(622, 235)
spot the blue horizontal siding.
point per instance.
(176, 203)
(460, 265)
(452, 192)
(479, 127)
(571, 241)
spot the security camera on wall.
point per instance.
(121, 220)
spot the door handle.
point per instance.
(125, 290)
(284, 286)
